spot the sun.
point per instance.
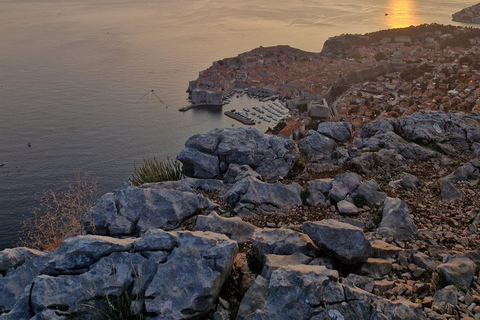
(401, 13)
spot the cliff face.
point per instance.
(352, 225)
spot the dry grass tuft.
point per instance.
(58, 213)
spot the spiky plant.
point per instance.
(156, 171)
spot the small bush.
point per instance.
(120, 308)
(359, 201)
(58, 213)
(156, 171)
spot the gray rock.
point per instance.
(234, 228)
(209, 155)
(346, 242)
(408, 181)
(281, 242)
(362, 282)
(316, 144)
(338, 131)
(275, 261)
(444, 297)
(424, 261)
(469, 171)
(254, 299)
(378, 125)
(258, 193)
(458, 270)
(384, 250)
(187, 268)
(392, 141)
(344, 184)
(317, 189)
(449, 192)
(192, 277)
(384, 161)
(375, 268)
(457, 129)
(10, 259)
(371, 192)
(133, 210)
(319, 295)
(396, 221)
(238, 172)
(347, 208)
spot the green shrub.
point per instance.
(304, 195)
(120, 308)
(360, 201)
(156, 171)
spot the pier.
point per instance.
(239, 118)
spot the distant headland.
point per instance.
(468, 15)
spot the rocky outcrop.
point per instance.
(315, 143)
(133, 210)
(210, 155)
(325, 244)
(346, 242)
(468, 15)
(173, 275)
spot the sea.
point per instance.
(75, 78)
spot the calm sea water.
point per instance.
(72, 73)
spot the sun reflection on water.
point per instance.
(401, 13)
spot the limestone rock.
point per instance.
(234, 228)
(317, 190)
(210, 155)
(347, 208)
(238, 172)
(396, 221)
(254, 299)
(371, 192)
(384, 250)
(384, 161)
(469, 171)
(375, 268)
(458, 270)
(444, 297)
(10, 259)
(346, 242)
(408, 181)
(344, 184)
(281, 242)
(449, 192)
(258, 193)
(315, 143)
(133, 210)
(338, 131)
(319, 295)
(275, 261)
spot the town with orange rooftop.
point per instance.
(355, 78)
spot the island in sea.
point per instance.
(355, 78)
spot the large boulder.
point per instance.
(259, 194)
(314, 292)
(234, 228)
(10, 259)
(451, 132)
(281, 242)
(396, 220)
(210, 155)
(457, 270)
(317, 190)
(343, 184)
(338, 131)
(170, 275)
(315, 143)
(469, 171)
(382, 162)
(344, 241)
(370, 190)
(133, 210)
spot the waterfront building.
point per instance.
(206, 97)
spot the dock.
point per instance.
(239, 118)
(186, 108)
